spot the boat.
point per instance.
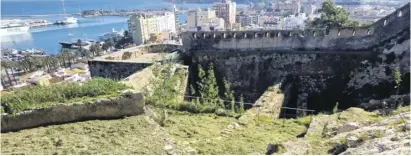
(66, 19)
(113, 34)
(13, 29)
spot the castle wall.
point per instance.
(336, 39)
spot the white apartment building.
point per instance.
(142, 26)
(227, 11)
(294, 22)
(204, 20)
(247, 20)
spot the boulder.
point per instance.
(272, 148)
(191, 151)
(167, 147)
(348, 127)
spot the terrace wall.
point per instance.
(130, 103)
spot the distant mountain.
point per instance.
(211, 1)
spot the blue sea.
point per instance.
(47, 38)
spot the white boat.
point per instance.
(13, 29)
(70, 20)
(113, 34)
(66, 20)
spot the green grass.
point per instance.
(204, 133)
(43, 96)
(133, 135)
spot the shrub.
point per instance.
(335, 109)
(221, 112)
(189, 107)
(41, 96)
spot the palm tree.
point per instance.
(2, 80)
(13, 66)
(5, 64)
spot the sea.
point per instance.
(47, 38)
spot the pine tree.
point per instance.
(241, 104)
(397, 79)
(201, 83)
(233, 104)
(221, 103)
(335, 109)
(211, 83)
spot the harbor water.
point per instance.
(47, 38)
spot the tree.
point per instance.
(95, 49)
(6, 65)
(397, 79)
(332, 17)
(229, 94)
(211, 83)
(241, 111)
(335, 109)
(108, 44)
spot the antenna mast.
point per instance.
(64, 9)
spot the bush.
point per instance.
(42, 96)
(189, 107)
(221, 112)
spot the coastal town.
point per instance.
(205, 77)
(149, 26)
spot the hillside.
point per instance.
(187, 133)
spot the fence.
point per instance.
(305, 111)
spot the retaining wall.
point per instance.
(129, 103)
(115, 70)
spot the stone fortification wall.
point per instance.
(135, 52)
(321, 78)
(129, 103)
(250, 73)
(122, 64)
(336, 40)
(116, 70)
(148, 79)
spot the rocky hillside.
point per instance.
(162, 131)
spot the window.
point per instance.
(385, 22)
(353, 32)
(399, 13)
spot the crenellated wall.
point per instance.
(347, 65)
(337, 40)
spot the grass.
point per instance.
(138, 135)
(75, 71)
(359, 115)
(133, 135)
(205, 132)
(43, 96)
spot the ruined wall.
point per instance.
(122, 64)
(115, 70)
(137, 51)
(336, 40)
(130, 103)
(148, 79)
